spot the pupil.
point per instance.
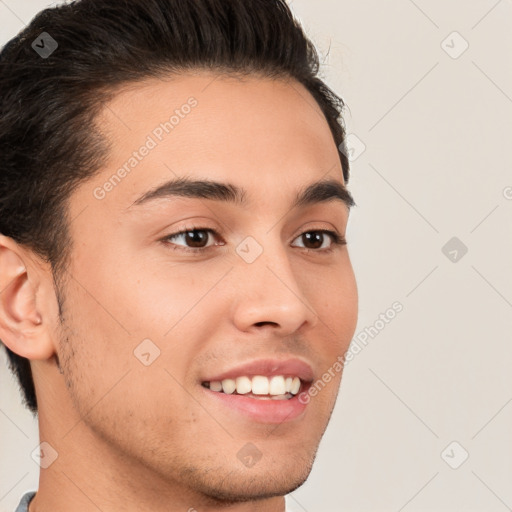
(196, 237)
(315, 235)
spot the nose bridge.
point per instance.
(269, 290)
(267, 259)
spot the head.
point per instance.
(159, 232)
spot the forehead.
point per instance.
(267, 136)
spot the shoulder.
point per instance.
(25, 500)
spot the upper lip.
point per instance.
(293, 367)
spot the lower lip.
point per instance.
(262, 411)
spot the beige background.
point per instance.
(431, 125)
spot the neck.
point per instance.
(90, 475)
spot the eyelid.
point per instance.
(337, 239)
(194, 250)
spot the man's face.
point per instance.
(149, 324)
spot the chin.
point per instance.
(238, 485)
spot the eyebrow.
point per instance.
(319, 192)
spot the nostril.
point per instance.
(259, 324)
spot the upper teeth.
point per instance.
(258, 385)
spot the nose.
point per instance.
(270, 295)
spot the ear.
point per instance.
(26, 290)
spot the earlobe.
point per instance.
(22, 326)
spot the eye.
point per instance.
(196, 240)
(318, 237)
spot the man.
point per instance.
(174, 271)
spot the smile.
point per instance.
(260, 387)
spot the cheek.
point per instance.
(114, 374)
(140, 298)
(156, 297)
(129, 312)
(334, 297)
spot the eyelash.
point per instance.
(337, 241)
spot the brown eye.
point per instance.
(191, 239)
(196, 238)
(315, 240)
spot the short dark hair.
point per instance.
(49, 143)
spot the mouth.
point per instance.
(264, 391)
(258, 387)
